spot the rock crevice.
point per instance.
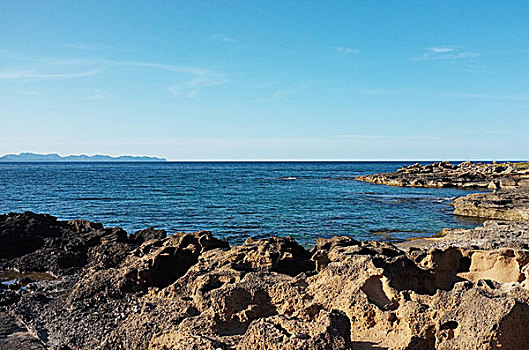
(193, 291)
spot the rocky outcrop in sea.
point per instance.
(463, 175)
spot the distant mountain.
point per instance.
(53, 157)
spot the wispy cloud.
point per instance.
(174, 91)
(342, 50)
(223, 38)
(29, 92)
(396, 137)
(440, 53)
(439, 49)
(481, 96)
(472, 96)
(91, 47)
(142, 64)
(192, 94)
(493, 132)
(439, 94)
(35, 74)
(188, 79)
(284, 93)
(425, 137)
(191, 87)
(98, 95)
(179, 92)
(360, 136)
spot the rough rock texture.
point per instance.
(463, 175)
(192, 291)
(492, 235)
(511, 204)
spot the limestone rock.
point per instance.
(463, 175)
(510, 204)
(466, 290)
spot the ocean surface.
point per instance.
(234, 200)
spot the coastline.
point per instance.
(108, 289)
(506, 197)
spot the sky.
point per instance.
(266, 80)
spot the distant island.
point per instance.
(54, 157)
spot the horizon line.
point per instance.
(277, 160)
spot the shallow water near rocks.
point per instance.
(234, 200)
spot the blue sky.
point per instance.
(212, 80)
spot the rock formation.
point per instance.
(79, 285)
(509, 182)
(505, 204)
(463, 175)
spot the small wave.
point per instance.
(288, 178)
(93, 199)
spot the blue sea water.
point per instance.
(234, 200)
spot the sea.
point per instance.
(233, 200)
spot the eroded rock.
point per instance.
(193, 291)
(511, 204)
(463, 175)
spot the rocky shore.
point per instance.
(463, 175)
(509, 204)
(508, 181)
(79, 285)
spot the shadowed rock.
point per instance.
(193, 291)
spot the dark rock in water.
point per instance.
(36, 242)
(146, 235)
(22, 234)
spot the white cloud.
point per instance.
(480, 96)
(284, 93)
(396, 137)
(98, 95)
(280, 94)
(174, 90)
(360, 136)
(342, 50)
(36, 74)
(440, 49)
(188, 79)
(445, 53)
(223, 38)
(425, 137)
(191, 87)
(82, 46)
(470, 96)
(192, 94)
(29, 92)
